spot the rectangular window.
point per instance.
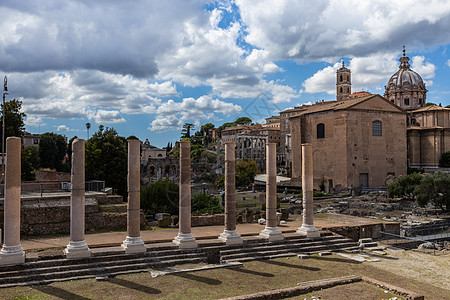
(320, 131)
(377, 129)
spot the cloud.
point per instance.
(317, 30)
(448, 62)
(71, 94)
(106, 116)
(113, 37)
(172, 114)
(424, 68)
(63, 127)
(367, 73)
(32, 121)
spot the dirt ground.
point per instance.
(428, 268)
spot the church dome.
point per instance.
(405, 77)
(406, 88)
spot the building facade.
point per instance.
(356, 142)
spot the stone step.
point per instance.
(63, 265)
(368, 245)
(365, 240)
(285, 245)
(91, 272)
(299, 249)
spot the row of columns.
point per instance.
(254, 145)
(230, 235)
(12, 252)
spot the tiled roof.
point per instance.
(431, 108)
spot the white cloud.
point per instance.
(113, 37)
(172, 115)
(33, 121)
(424, 68)
(448, 62)
(71, 94)
(367, 73)
(105, 116)
(63, 127)
(316, 30)
(322, 81)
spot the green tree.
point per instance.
(246, 171)
(14, 125)
(196, 152)
(404, 186)
(186, 131)
(434, 188)
(52, 149)
(69, 150)
(30, 162)
(106, 159)
(206, 204)
(444, 161)
(221, 182)
(204, 129)
(243, 121)
(430, 104)
(88, 126)
(160, 197)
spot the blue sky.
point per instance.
(147, 67)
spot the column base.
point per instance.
(134, 245)
(185, 240)
(11, 255)
(231, 237)
(309, 231)
(77, 249)
(272, 234)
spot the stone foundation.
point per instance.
(35, 218)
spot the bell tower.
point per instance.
(343, 83)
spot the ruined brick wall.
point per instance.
(55, 219)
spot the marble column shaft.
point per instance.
(77, 246)
(271, 186)
(12, 252)
(308, 228)
(230, 187)
(185, 187)
(230, 236)
(185, 238)
(271, 232)
(133, 242)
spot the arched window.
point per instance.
(340, 78)
(340, 90)
(377, 129)
(320, 131)
(159, 155)
(406, 101)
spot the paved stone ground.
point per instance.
(153, 237)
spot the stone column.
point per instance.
(271, 231)
(12, 252)
(307, 228)
(184, 239)
(77, 246)
(230, 236)
(133, 243)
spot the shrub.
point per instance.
(160, 197)
(206, 204)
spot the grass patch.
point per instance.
(256, 276)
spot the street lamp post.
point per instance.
(5, 92)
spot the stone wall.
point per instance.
(53, 216)
(52, 176)
(366, 231)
